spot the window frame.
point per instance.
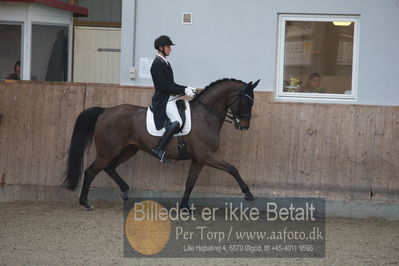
(22, 50)
(293, 96)
(70, 44)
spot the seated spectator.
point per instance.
(17, 71)
(312, 84)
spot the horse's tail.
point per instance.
(81, 138)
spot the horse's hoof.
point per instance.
(87, 206)
(124, 195)
(249, 196)
(187, 210)
(184, 208)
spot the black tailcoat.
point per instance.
(162, 76)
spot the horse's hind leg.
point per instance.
(222, 165)
(193, 174)
(125, 155)
(97, 166)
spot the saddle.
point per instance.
(184, 110)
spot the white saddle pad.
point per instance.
(152, 130)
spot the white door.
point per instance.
(96, 55)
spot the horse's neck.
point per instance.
(214, 105)
(217, 98)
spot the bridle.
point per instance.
(234, 118)
(240, 97)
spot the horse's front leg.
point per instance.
(193, 174)
(225, 166)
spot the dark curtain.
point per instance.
(57, 69)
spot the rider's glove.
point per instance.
(190, 91)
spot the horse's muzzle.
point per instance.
(242, 128)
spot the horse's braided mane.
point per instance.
(216, 83)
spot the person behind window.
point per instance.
(17, 71)
(312, 84)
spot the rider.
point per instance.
(163, 101)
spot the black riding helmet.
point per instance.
(162, 41)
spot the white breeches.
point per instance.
(171, 110)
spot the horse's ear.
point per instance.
(255, 84)
(248, 87)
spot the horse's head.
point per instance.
(240, 106)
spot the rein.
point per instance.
(217, 113)
(233, 118)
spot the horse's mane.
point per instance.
(216, 83)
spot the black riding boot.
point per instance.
(159, 150)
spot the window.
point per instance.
(10, 51)
(49, 60)
(103, 13)
(317, 57)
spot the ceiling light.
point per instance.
(342, 23)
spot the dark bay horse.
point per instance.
(120, 131)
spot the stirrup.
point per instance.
(161, 157)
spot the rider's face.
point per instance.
(167, 50)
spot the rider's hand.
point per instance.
(190, 91)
